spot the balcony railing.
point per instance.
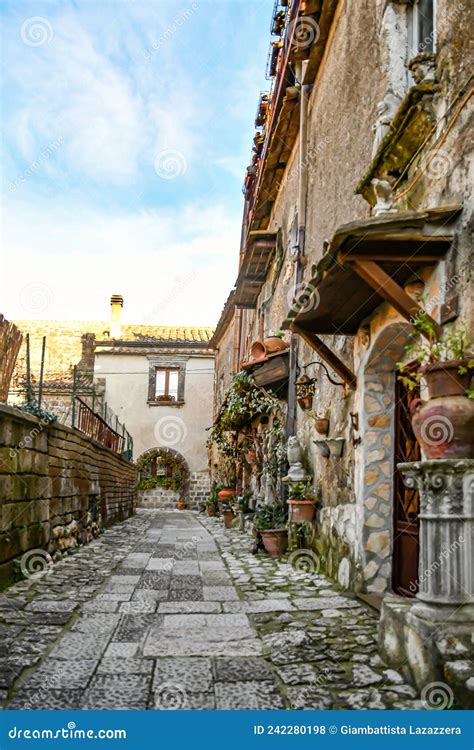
(97, 428)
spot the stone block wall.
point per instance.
(165, 499)
(58, 488)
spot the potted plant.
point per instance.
(181, 505)
(270, 523)
(212, 507)
(302, 502)
(227, 487)
(228, 514)
(444, 424)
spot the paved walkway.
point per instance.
(169, 610)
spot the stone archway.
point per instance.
(161, 496)
(375, 497)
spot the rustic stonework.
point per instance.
(57, 487)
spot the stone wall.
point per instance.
(58, 488)
(165, 499)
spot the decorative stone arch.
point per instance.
(375, 496)
(151, 452)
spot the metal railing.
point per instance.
(75, 400)
(97, 428)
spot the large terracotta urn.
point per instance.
(444, 425)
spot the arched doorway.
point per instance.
(389, 530)
(163, 476)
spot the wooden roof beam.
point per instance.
(390, 291)
(327, 354)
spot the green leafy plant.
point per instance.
(302, 491)
(243, 502)
(176, 475)
(270, 517)
(452, 345)
(243, 401)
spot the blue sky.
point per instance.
(127, 126)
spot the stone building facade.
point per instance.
(357, 215)
(117, 366)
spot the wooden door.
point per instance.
(406, 501)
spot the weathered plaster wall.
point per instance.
(57, 487)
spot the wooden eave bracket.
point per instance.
(389, 290)
(327, 354)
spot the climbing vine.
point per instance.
(174, 475)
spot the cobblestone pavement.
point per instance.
(169, 610)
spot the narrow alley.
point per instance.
(169, 610)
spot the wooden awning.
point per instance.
(255, 262)
(367, 263)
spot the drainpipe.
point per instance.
(302, 198)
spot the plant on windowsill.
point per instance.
(302, 502)
(444, 424)
(270, 522)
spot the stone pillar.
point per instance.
(445, 570)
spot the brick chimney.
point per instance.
(116, 304)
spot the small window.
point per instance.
(166, 381)
(422, 27)
(166, 384)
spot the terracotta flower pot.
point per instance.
(322, 426)
(444, 427)
(274, 344)
(301, 510)
(225, 493)
(228, 516)
(181, 505)
(443, 378)
(275, 541)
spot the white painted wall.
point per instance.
(180, 427)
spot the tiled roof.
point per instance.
(64, 345)
(130, 332)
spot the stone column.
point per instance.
(445, 570)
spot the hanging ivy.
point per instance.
(175, 476)
(243, 401)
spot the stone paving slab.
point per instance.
(170, 610)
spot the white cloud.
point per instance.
(78, 259)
